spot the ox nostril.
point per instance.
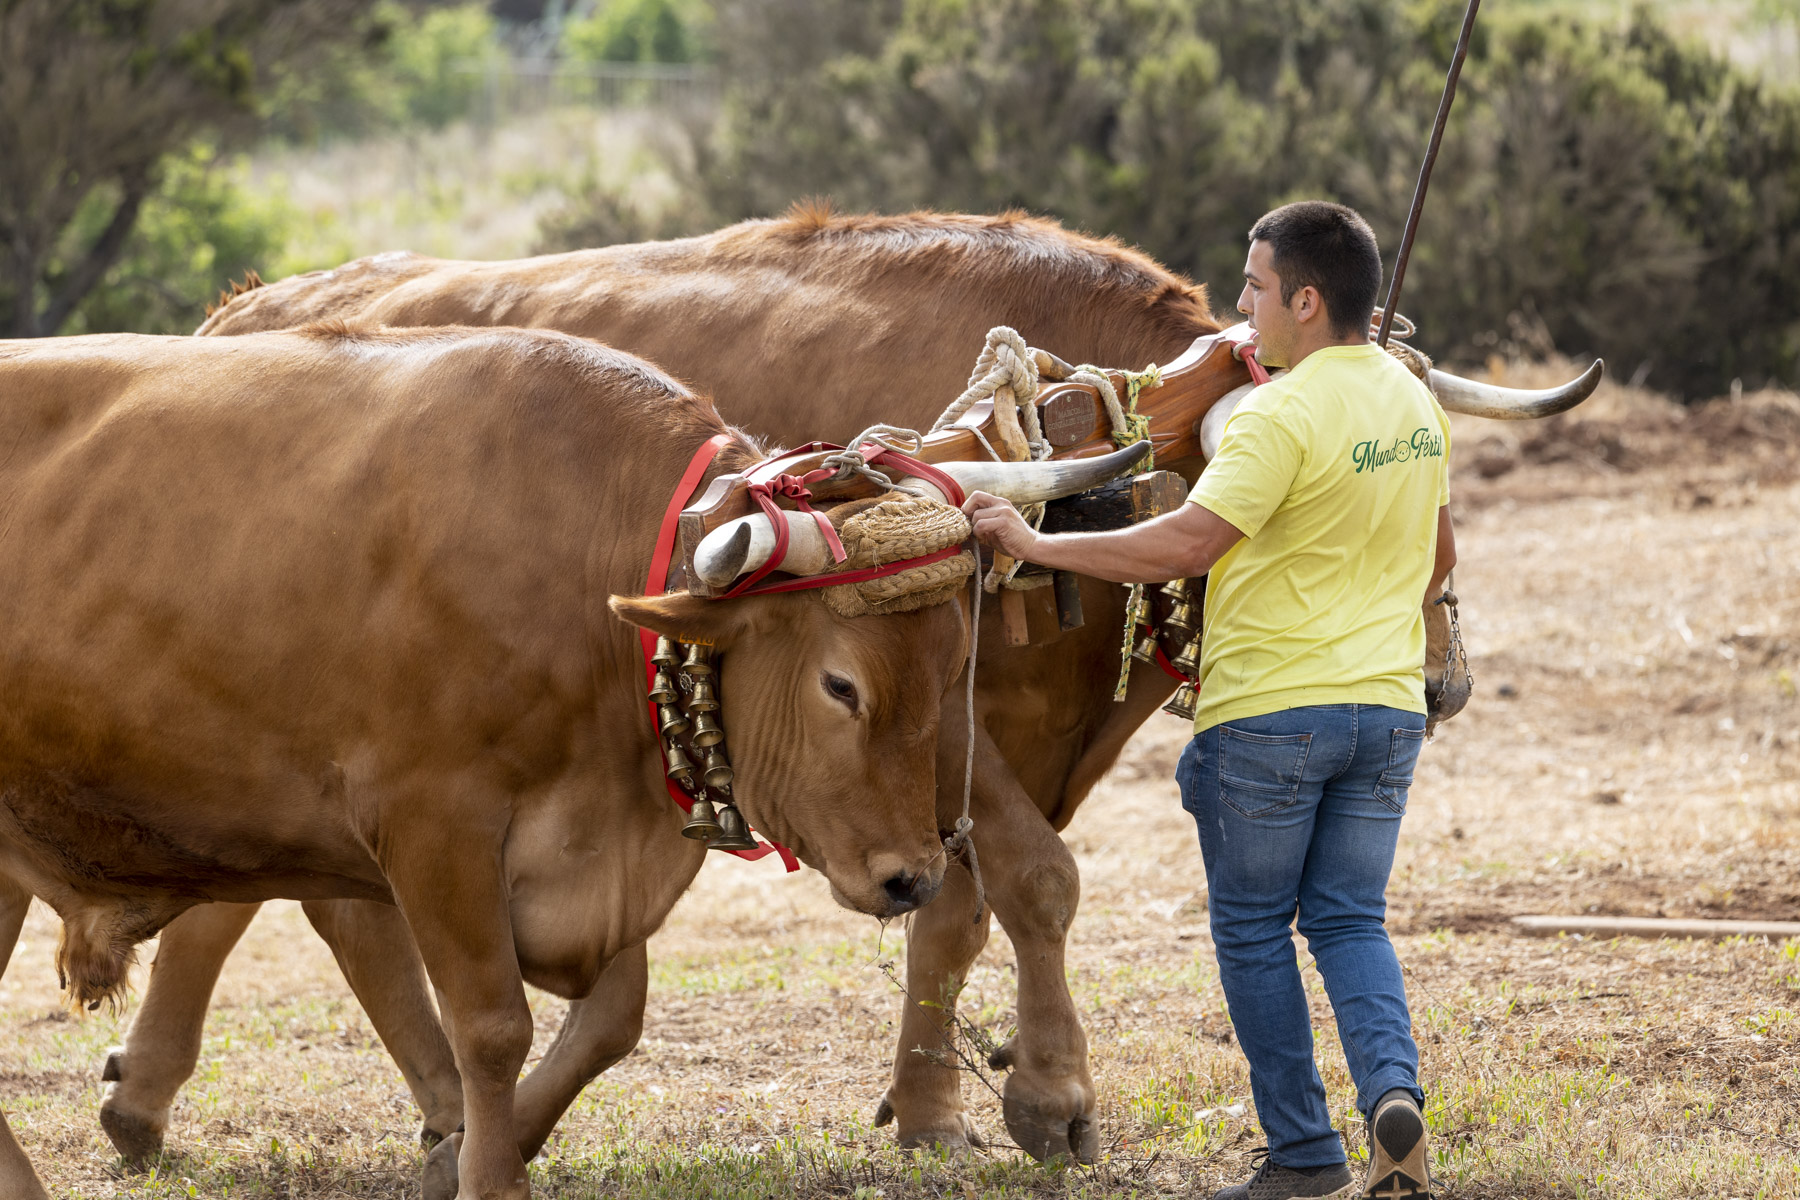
(901, 889)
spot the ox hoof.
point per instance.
(137, 1139)
(439, 1181)
(957, 1136)
(1045, 1124)
(1002, 1057)
(429, 1137)
(114, 1068)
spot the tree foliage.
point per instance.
(664, 31)
(1606, 187)
(94, 95)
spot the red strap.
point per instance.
(1162, 660)
(794, 488)
(1245, 352)
(912, 466)
(858, 576)
(656, 585)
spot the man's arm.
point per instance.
(1178, 545)
(1446, 556)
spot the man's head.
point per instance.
(1310, 280)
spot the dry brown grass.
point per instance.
(1632, 603)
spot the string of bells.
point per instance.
(686, 693)
(1183, 625)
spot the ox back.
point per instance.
(821, 325)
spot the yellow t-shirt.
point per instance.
(1334, 472)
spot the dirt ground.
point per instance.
(1631, 601)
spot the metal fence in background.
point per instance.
(509, 87)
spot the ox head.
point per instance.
(832, 724)
(831, 696)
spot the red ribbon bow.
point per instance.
(791, 487)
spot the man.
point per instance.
(1323, 523)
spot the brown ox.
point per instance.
(325, 614)
(812, 325)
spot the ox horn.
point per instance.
(1047, 479)
(748, 542)
(1458, 395)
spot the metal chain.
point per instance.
(1455, 653)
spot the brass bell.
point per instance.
(717, 771)
(1188, 661)
(706, 696)
(1176, 589)
(662, 689)
(681, 767)
(671, 721)
(707, 731)
(665, 658)
(1145, 651)
(702, 823)
(699, 661)
(1180, 621)
(1183, 704)
(734, 831)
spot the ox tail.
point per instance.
(252, 281)
(94, 957)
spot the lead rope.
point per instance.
(961, 842)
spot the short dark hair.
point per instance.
(1329, 247)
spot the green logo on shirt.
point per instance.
(1371, 454)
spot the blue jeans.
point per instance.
(1299, 812)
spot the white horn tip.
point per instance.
(722, 564)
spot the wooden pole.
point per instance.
(1431, 153)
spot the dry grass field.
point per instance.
(1631, 596)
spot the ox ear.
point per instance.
(683, 617)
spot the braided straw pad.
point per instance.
(897, 527)
(1413, 360)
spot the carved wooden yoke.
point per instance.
(1074, 423)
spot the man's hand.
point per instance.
(998, 524)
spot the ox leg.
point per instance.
(1033, 884)
(163, 1043)
(375, 951)
(461, 924)
(1034, 889)
(16, 1176)
(601, 1028)
(925, 1097)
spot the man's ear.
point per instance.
(1308, 303)
(683, 617)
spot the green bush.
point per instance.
(196, 232)
(409, 68)
(663, 31)
(1607, 188)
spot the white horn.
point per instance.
(1048, 479)
(1458, 395)
(747, 543)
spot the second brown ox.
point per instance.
(814, 325)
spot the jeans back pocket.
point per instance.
(1403, 756)
(1260, 772)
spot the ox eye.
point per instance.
(840, 688)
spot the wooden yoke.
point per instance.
(1074, 422)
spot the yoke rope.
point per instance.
(1009, 372)
(962, 841)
